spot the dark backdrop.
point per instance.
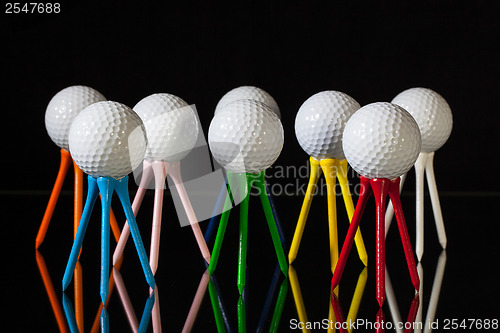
(200, 50)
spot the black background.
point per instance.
(199, 51)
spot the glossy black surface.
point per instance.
(468, 288)
(199, 51)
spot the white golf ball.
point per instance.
(245, 136)
(64, 107)
(171, 127)
(248, 92)
(381, 140)
(320, 122)
(432, 113)
(107, 139)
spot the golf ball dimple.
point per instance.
(245, 136)
(64, 107)
(248, 92)
(320, 122)
(432, 113)
(381, 140)
(107, 139)
(171, 127)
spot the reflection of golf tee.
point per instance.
(381, 322)
(415, 308)
(160, 170)
(268, 321)
(218, 305)
(425, 162)
(280, 302)
(125, 300)
(334, 315)
(149, 308)
(436, 289)
(197, 300)
(297, 295)
(51, 293)
(78, 296)
(332, 168)
(136, 326)
(433, 301)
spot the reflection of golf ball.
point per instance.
(171, 127)
(245, 136)
(64, 107)
(320, 122)
(107, 139)
(432, 113)
(248, 92)
(381, 140)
